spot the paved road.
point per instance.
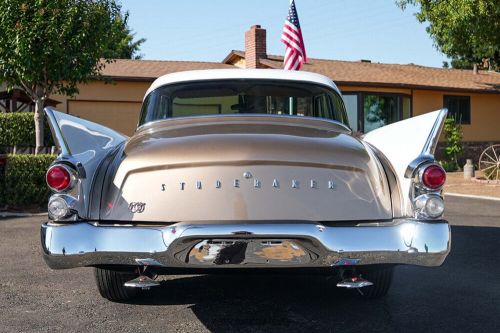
(463, 295)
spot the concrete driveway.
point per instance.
(462, 295)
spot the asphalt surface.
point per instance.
(461, 296)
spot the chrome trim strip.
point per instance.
(427, 154)
(432, 139)
(56, 132)
(72, 174)
(248, 118)
(401, 241)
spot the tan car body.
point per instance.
(248, 168)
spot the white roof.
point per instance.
(221, 74)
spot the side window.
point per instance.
(326, 106)
(163, 107)
(340, 111)
(144, 110)
(458, 108)
(321, 108)
(154, 107)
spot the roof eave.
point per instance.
(229, 59)
(415, 86)
(128, 78)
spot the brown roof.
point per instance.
(360, 73)
(352, 73)
(149, 70)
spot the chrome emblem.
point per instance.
(137, 207)
(255, 183)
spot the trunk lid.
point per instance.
(228, 168)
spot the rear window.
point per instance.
(243, 97)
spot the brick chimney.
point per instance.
(255, 46)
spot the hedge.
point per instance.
(18, 129)
(23, 184)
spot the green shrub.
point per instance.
(24, 181)
(18, 129)
(453, 145)
(2, 182)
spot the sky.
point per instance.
(207, 30)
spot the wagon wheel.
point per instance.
(489, 162)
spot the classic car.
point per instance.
(234, 170)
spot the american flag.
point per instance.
(295, 54)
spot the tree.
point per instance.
(466, 31)
(49, 46)
(122, 44)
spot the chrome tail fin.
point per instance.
(83, 145)
(407, 142)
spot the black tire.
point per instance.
(381, 278)
(110, 284)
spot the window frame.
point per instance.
(334, 101)
(467, 98)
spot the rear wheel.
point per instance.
(381, 279)
(110, 283)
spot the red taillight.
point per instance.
(433, 177)
(58, 178)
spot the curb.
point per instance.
(485, 181)
(482, 197)
(12, 214)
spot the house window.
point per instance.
(380, 109)
(370, 110)
(458, 108)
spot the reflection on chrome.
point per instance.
(408, 231)
(303, 244)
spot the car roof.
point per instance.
(222, 74)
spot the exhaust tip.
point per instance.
(143, 282)
(354, 283)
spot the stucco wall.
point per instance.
(485, 113)
(121, 116)
(116, 105)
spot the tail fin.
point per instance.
(84, 145)
(407, 142)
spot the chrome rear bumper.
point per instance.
(262, 244)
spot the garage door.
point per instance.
(120, 116)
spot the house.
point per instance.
(375, 94)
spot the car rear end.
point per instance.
(246, 191)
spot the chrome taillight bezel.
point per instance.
(72, 174)
(420, 176)
(420, 194)
(422, 202)
(68, 202)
